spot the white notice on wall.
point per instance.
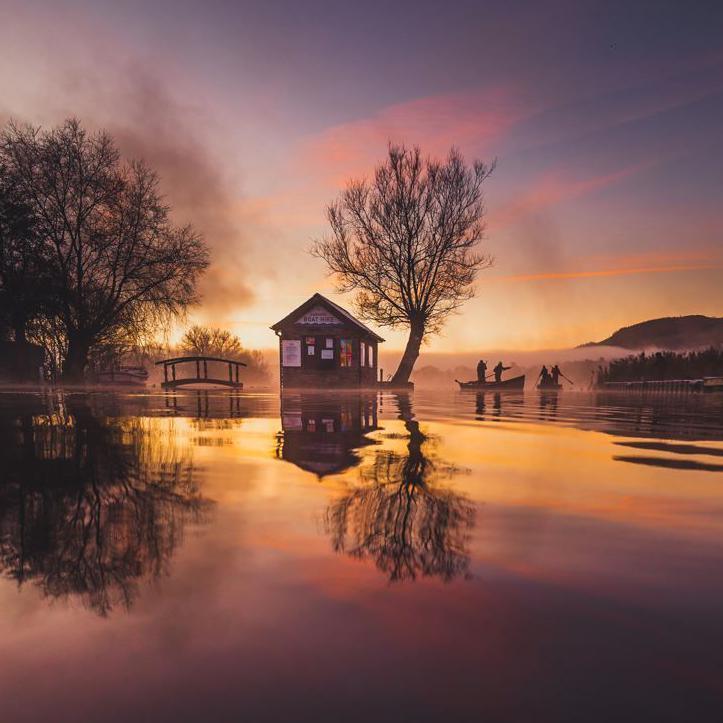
(327, 353)
(291, 353)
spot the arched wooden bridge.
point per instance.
(201, 372)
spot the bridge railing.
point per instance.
(201, 371)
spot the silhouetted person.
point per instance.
(498, 371)
(544, 376)
(555, 374)
(481, 370)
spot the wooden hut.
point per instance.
(322, 346)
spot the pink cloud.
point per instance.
(565, 275)
(473, 121)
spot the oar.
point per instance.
(567, 379)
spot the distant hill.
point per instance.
(672, 332)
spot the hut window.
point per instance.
(329, 342)
(370, 355)
(362, 353)
(345, 353)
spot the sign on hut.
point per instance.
(323, 346)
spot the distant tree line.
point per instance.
(663, 365)
(90, 262)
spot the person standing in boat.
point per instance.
(544, 377)
(481, 371)
(555, 374)
(498, 371)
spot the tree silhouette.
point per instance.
(401, 517)
(407, 242)
(211, 341)
(118, 268)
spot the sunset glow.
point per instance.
(607, 136)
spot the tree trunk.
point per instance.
(19, 324)
(404, 370)
(77, 359)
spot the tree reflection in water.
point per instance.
(90, 506)
(401, 517)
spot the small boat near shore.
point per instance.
(123, 376)
(515, 383)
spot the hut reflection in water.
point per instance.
(322, 434)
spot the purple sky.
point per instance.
(605, 118)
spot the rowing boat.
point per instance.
(507, 384)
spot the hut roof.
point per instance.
(319, 300)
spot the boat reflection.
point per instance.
(322, 434)
(401, 516)
(548, 403)
(483, 409)
(651, 416)
(91, 506)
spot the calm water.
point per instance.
(205, 556)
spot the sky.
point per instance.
(605, 118)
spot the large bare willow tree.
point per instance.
(117, 267)
(408, 242)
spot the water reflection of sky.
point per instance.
(507, 557)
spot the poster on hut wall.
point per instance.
(291, 353)
(318, 315)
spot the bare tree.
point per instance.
(407, 242)
(119, 266)
(210, 341)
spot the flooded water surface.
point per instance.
(446, 556)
